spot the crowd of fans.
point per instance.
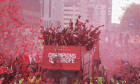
(131, 75)
(78, 34)
(18, 71)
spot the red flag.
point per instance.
(27, 59)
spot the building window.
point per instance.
(70, 3)
(67, 14)
(77, 14)
(99, 15)
(58, 23)
(49, 8)
(66, 23)
(99, 9)
(67, 18)
(68, 10)
(49, 23)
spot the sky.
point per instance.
(117, 6)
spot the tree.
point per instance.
(130, 20)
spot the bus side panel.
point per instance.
(87, 63)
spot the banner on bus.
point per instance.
(61, 57)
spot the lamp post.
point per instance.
(41, 4)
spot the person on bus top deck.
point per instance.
(64, 37)
(71, 25)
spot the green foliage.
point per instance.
(130, 20)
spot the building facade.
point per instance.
(31, 11)
(52, 12)
(99, 12)
(71, 10)
(60, 12)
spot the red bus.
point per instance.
(68, 64)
